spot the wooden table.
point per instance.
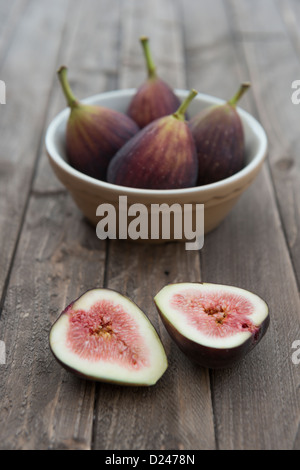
(50, 255)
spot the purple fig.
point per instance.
(94, 134)
(161, 156)
(154, 99)
(216, 326)
(219, 138)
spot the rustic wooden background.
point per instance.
(49, 255)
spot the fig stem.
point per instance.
(148, 56)
(63, 78)
(180, 113)
(243, 88)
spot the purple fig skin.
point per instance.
(153, 100)
(162, 156)
(214, 358)
(94, 135)
(219, 137)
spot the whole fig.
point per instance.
(154, 98)
(219, 138)
(94, 134)
(160, 156)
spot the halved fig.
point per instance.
(104, 336)
(214, 325)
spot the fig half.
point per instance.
(104, 336)
(214, 325)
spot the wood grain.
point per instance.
(22, 117)
(282, 117)
(50, 255)
(243, 252)
(44, 407)
(168, 415)
(257, 21)
(10, 17)
(49, 408)
(290, 13)
(93, 61)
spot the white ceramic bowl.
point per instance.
(218, 198)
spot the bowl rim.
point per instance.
(62, 116)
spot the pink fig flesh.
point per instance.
(161, 156)
(104, 336)
(214, 325)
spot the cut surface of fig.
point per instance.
(104, 336)
(213, 324)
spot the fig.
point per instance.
(103, 336)
(94, 134)
(154, 99)
(219, 138)
(214, 325)
(160, 156)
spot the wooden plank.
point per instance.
(176, 413)
(256, 405)
(209, 50)
(166, 43)
(22, 117)
(43, 407)
(280, 116)
(290, 13)
(253, 401)
(256, 20)
(93, 68)
(10, 15)
(5, 8)
(58, 258)
(285, 163)
(8, 10)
